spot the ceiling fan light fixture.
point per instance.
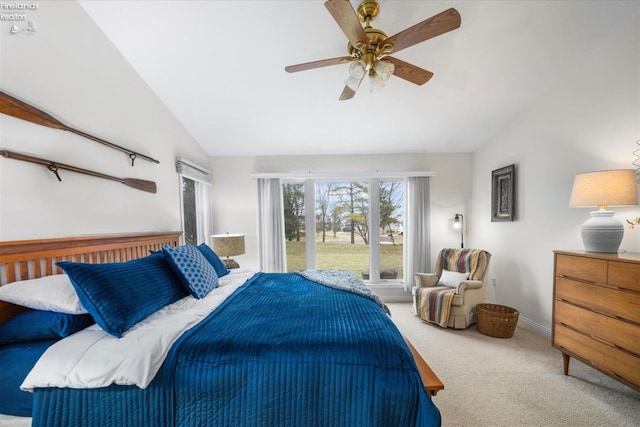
(384, 69)
(353, 82)
(358, 69)
(375, 82)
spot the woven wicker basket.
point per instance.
(497, 320)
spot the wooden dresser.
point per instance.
(596, 312)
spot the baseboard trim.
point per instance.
(390, 292)
(534, 327)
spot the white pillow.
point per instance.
(452, 279)
(49, 293)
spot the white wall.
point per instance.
(69, 69)
(234, 191)
(589, 121)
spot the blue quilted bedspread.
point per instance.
(281, 351)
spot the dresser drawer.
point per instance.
(589, 269)
(610, 360)
(614, 302)
(624, 275)
(619, 333)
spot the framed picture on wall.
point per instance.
(502, 194)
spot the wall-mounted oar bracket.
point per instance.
(54, 168)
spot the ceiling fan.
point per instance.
(369, 48)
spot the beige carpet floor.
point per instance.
(515, 381)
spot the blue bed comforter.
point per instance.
(281, 351)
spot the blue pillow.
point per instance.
(16, 361)
(119, 295)
(197, 275)
(37, 325)
(214, 259)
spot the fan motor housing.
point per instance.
(376, 38)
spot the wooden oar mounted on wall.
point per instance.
(139, 184)
(21, 110)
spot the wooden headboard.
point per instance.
(30, 259)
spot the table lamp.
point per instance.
(226, 245)
(602, 232)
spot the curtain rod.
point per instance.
(342, 174)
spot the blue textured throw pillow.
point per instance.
(119, 295)
(214, 259)
(37, 325)
(198, 276)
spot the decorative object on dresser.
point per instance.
(596, 312)
(226, 245)
(602, 233)
(14, 107)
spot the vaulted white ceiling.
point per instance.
(219, 67)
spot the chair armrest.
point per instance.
(469, 284)
(426, 280)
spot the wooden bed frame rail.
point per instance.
(30, 259)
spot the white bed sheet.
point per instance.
(92, 358)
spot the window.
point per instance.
(355, 224)
(293, 194)
(194, 201)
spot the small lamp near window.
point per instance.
(602, 232)
(458, 223)
(226, 245)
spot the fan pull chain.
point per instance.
(636, 162)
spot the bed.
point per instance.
(264, 348)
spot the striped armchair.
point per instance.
(449, 295)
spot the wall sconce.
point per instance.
(458, 222)
(602, 232)
(227, 245)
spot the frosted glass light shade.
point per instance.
(375, 82)
(602, 232)
(384, 69)
(357, 71)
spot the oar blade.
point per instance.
(14, 107)
(140, 184)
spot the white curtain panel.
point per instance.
(416, 231)
(203, 217)
(273, 255)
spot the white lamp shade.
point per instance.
(605, 188)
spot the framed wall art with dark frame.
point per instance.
(502, 194)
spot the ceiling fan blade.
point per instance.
(409, 72)
(348, 21)
(432, 27)
(347, 93)
(318, 64)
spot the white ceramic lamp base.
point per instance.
(602, 233)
